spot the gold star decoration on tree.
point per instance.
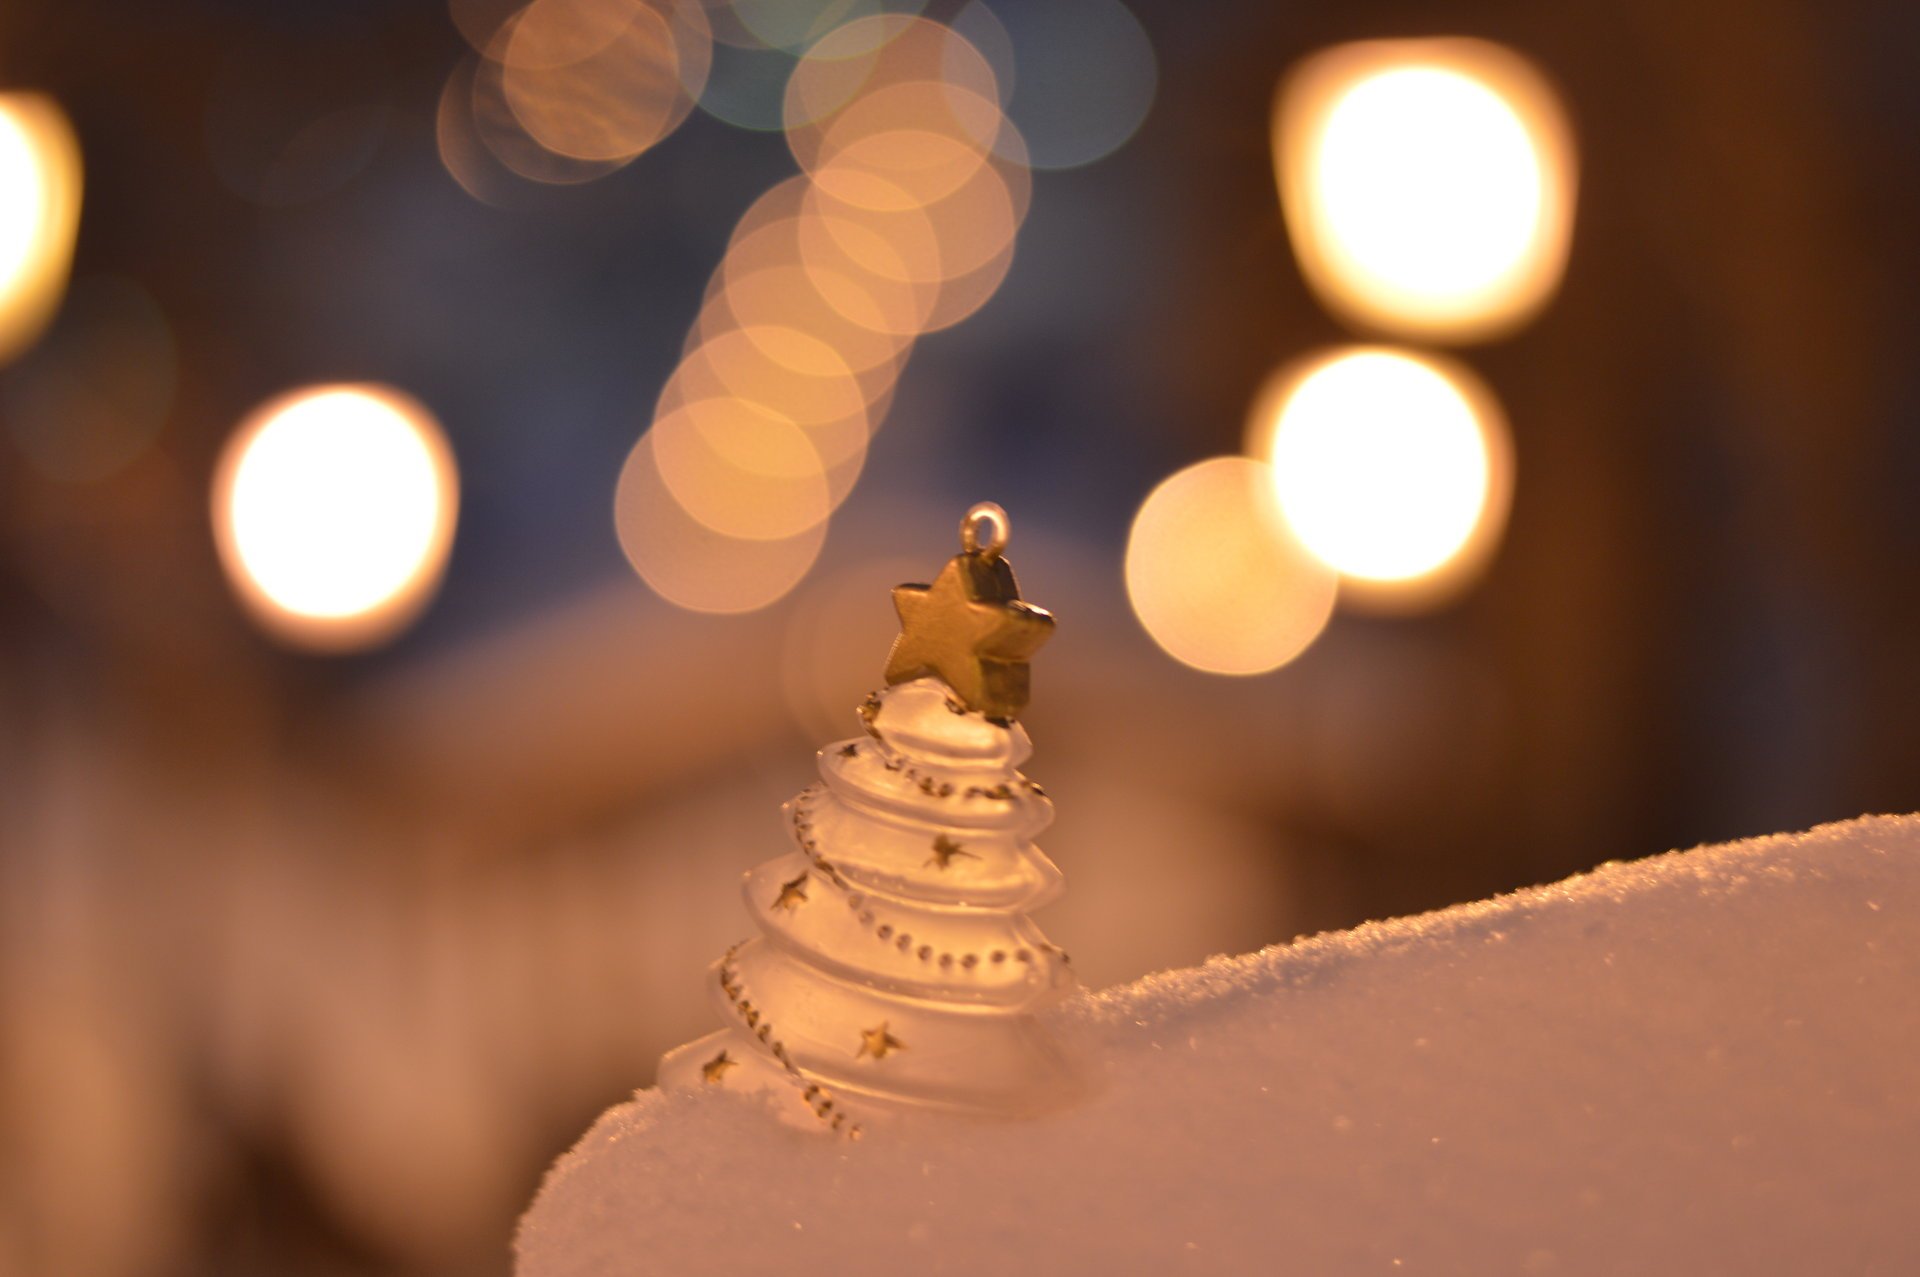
(970, 628)
(792, 894)
(878, 1043)
(716, 1068)
(945, 849)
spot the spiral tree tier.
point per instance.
(896, 965)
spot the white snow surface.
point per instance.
(1706, 1062)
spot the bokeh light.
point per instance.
(902, 221)
(468, 160)
(785, 373)
(795, 24)
(917, 243)
(745, 86)
(764, 284)
(688, 563)
(566, 91)
(39, 214)
(891, 72)
(885, 277)
(869, 55)
(781, 366)
(1393, 470)
(1215, 576)
(602, 79)
(981, 28)
(961, 295)
(1428, 185)
(741, 469)
(490, 118)
(1086, 74)
(333, 509)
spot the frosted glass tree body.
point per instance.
(895, 964)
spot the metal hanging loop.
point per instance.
(998, 529)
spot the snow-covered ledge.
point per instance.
(1707, 1062)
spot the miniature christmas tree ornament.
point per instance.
(896, 966)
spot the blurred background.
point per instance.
(454, 456)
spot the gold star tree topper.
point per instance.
(970, 629)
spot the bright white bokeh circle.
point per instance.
(1428, 185)
(1381, 465)
(1429, 181)
(23, 178)
(40, 181)
(334, 511)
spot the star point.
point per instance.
(792, 895)
(944, 851)
(878, 1042)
